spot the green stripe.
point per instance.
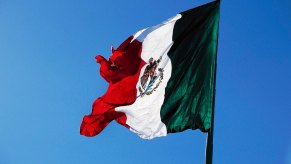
(189, 92)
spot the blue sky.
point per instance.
(49, 80)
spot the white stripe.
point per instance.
(143, 116)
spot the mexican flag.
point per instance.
(162, 78)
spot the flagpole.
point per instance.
(209, 144)
(209, 147)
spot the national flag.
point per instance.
(162, 78)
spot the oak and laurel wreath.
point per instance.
(161, 70)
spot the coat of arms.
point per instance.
(148, 81)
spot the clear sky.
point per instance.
(49, 79)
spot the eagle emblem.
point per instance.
(151, 78)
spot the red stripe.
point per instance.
(122, 72)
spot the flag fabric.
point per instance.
(162, 78)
